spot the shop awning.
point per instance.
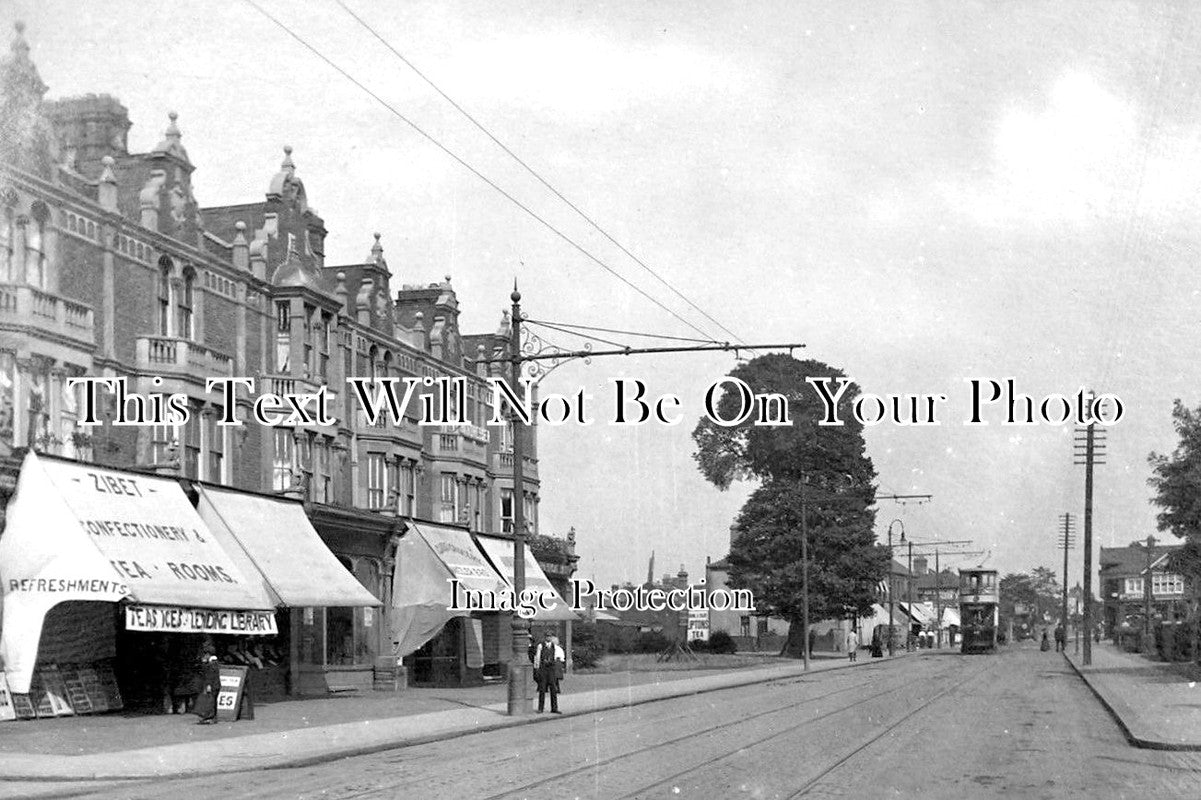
(275, 541)
(500, 551)
(921, 613)
(428, 558)
(82, 532)
(950, 616)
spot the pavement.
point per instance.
(295, 733)
(1156, 703)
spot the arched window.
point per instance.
(165, 268)
(183, 312)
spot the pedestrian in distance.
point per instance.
(1045, 645)
(1060, 639)
(210, 687)
(852, 645)
(812, 640)
(549, 663)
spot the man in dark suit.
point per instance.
(549, 663)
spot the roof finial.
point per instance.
(20, 47)
(172, 128)
(287, 162)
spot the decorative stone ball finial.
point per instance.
(240, 226)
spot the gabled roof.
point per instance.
(1119, 561)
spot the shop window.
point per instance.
(165, 267)
(366, 637)
(281, 462)
(339, 630)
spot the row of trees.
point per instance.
(815, 480)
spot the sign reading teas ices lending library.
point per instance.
(171, 619)
(80, 532)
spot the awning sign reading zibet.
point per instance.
(199, 620)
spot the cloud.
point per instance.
(1086, 155)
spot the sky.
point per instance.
(920, 194)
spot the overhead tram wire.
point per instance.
(537, 176)
(614, 330)
(459, 160)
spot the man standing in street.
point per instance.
(852, 644)
(1060, 639)
(549, 663)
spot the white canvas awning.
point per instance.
(428, 558)
(82, 532)
(500, 551)
(275, 541)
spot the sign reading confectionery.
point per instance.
(172, 619)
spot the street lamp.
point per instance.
(891, 602)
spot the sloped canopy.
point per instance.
(275, 541)
(500, 551)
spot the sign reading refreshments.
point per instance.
(199, 620)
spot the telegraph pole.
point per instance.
(804, 577)
(1089, 442)
(1067, 540)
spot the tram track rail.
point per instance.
(565, 774)
(816, 780)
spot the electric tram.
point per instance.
(979, 598)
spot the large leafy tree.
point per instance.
(821, 474)
(1176, 479)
